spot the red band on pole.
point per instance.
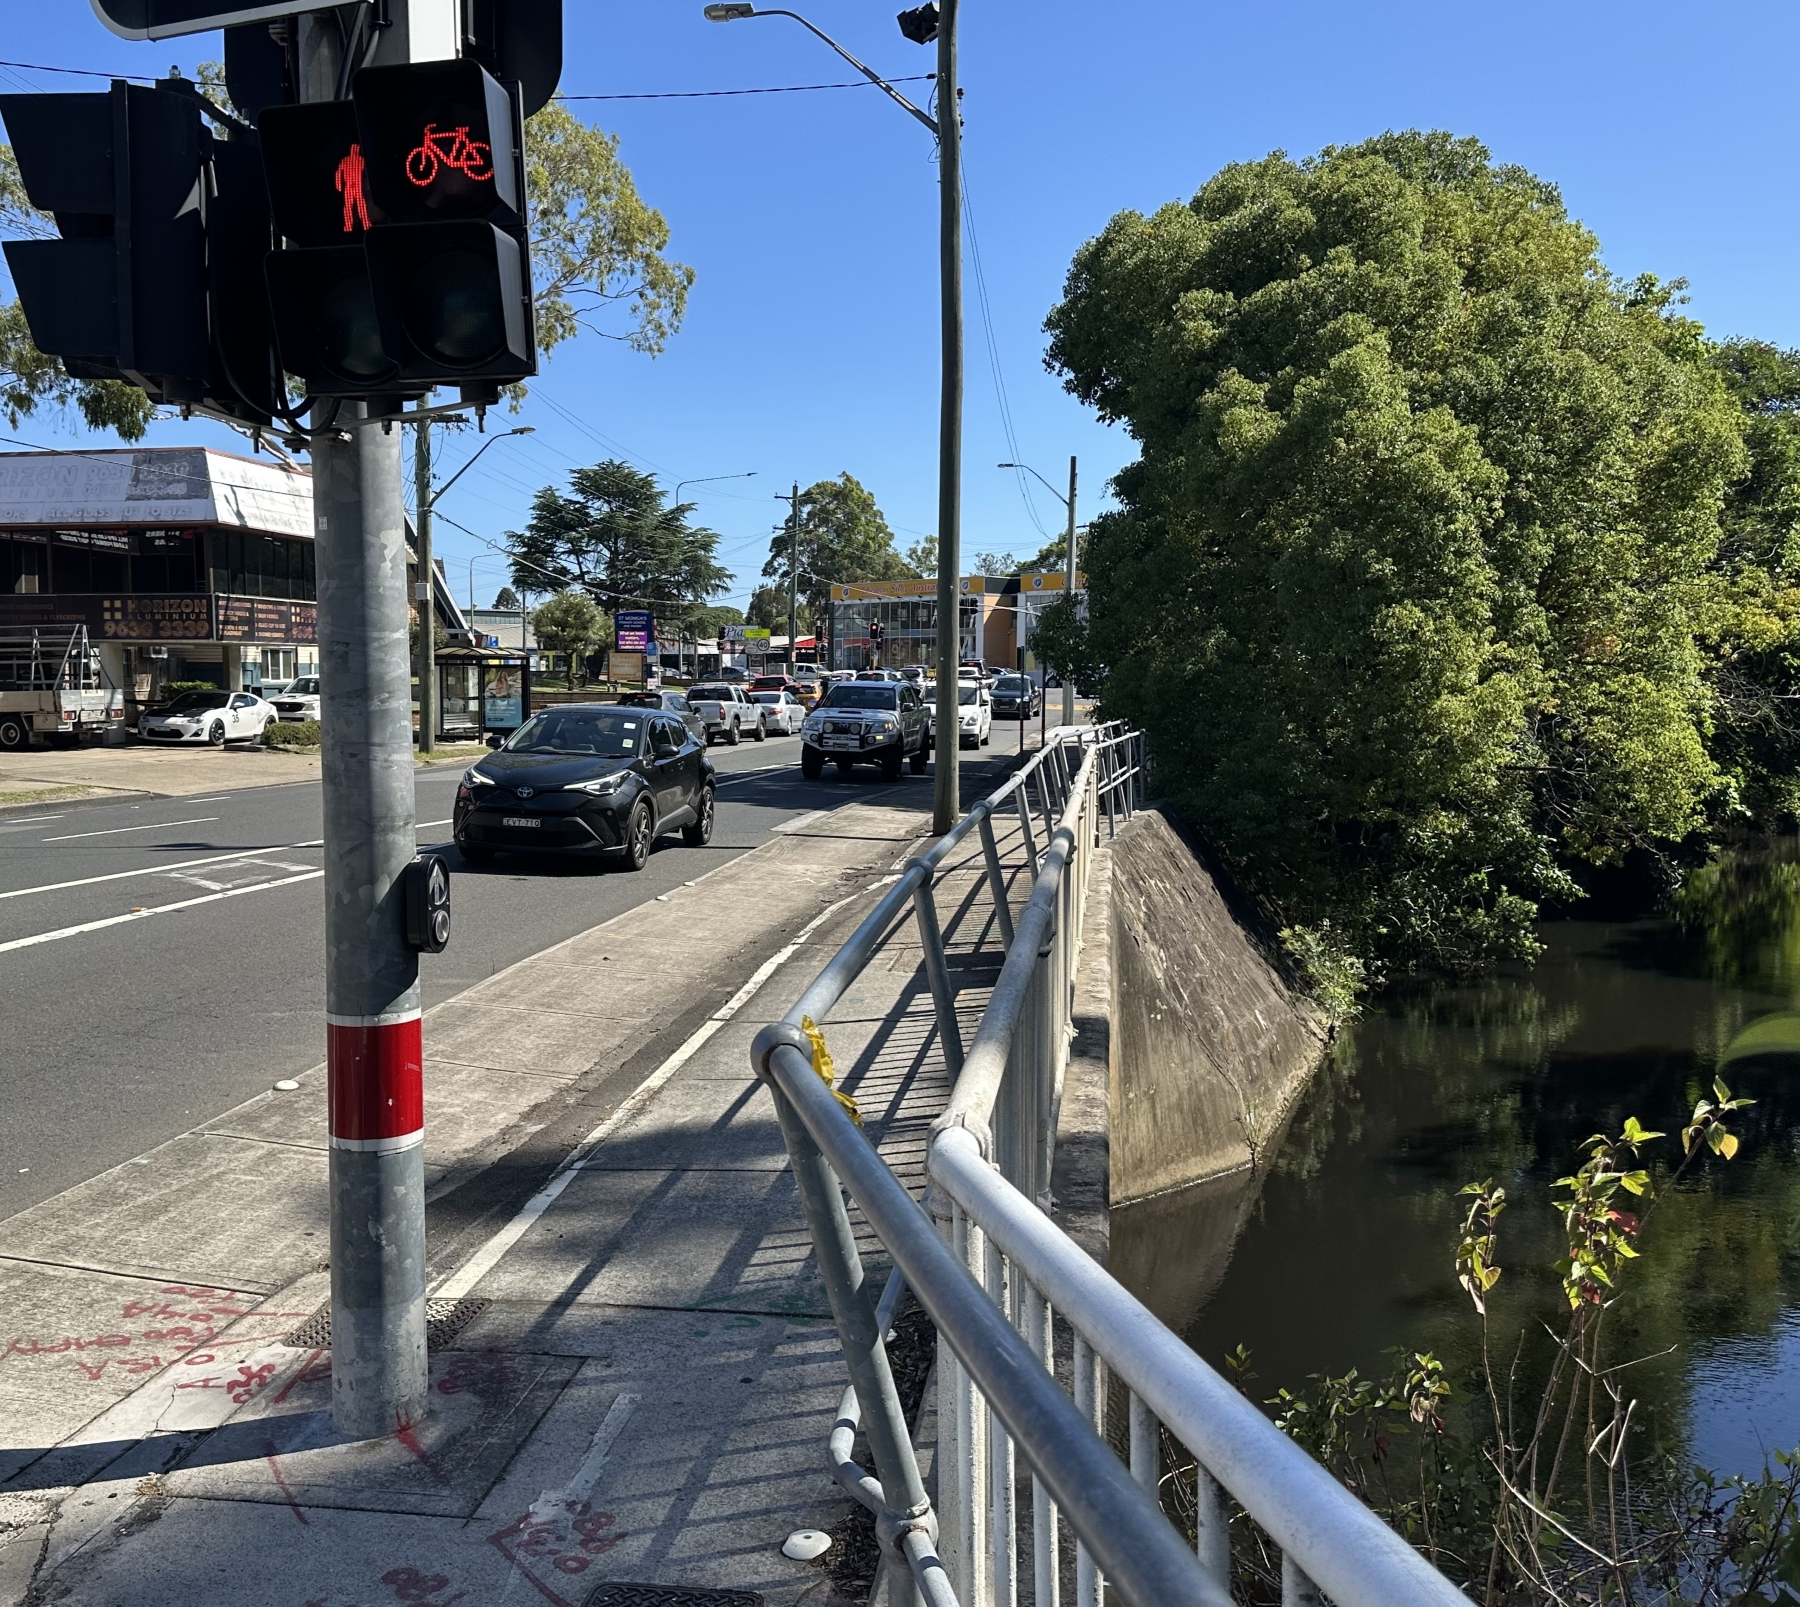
(377, 1080)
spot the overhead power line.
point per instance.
(657, 94)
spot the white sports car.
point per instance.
(783, 710)
(215, 717)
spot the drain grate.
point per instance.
(444, 1319)
(624, 1595)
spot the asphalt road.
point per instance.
(162, 961)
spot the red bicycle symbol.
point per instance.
(471, 157)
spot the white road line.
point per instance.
(424, 823)
(114, 831)
(162, 870)
(751, 775)
(157, 909)
(581, 1487)
(31, 820)
(462, 1282)
(224, 797)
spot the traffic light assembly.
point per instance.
(407, 263)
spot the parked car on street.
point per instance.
(675, 703)
(214, 717)
(298, 700)
(725, 710)
(865, 722)
(598, 780)
(783, 711)
(975, 713)
(1015, 697)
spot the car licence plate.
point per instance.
(841, 742)
(520, 820)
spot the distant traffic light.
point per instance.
(448, 260)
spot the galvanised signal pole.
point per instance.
(374, 1052)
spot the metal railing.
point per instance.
(998, 1278)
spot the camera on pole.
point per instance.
(157, 220)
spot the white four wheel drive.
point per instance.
(727, 712)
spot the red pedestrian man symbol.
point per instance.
(350, 185)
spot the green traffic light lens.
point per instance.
(455, 315)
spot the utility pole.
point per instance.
(794, 583)
(1068, 715)
(946, 804)
(424, 592)
(374, 1057)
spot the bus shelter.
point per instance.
(482, 691)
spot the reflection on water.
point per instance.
(1345, 1244)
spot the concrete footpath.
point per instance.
(633, 1374)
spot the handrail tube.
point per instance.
(1140, 1553)
(842, 968)
(1355, 1558)
(984, 1064)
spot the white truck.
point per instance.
(726, 711)
(53, 685)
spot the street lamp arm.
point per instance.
(869, 73)
(523, 429)
(1038, 477)
(705, 479)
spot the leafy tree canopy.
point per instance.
(1418, 583)
(507, 598)
(613, 536)
(843, 536)
(569, 622)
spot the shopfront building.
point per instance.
(996, 613)
(184, 564)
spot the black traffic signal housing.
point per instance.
(403, 208)
(426, 885)
(449, 262)
(318, 286)
(920, 25)
(157, 218)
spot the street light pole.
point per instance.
(424, 593)
(947, 127)
(707, 479)
(946, 806)
(794, 581)
(1068, 715)
(1068, 690)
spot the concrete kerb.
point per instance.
(555, 1306)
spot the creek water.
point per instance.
(1342, 1244)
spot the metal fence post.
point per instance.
(1212, 1527)
(972, 1445)
(937, 973)
(1046, 1582)
(990, 851)
(859, 1335)
(1031, 852)
(1296, 1589)
(1003, 1522)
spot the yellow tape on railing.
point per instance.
(821, 1063)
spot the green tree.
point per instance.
(507, 598)
(1410, 581)
(996, 563)
(843, 537)
(921, 556)
(569, 622)
(613, 536)
(596, 247)
(1755, 650)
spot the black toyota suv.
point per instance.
(865, 722)
(595, 779)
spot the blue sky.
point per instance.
(810, 345)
